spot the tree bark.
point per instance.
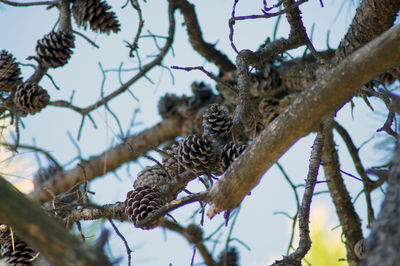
(382, 245)
(326, 95)
(44, 233)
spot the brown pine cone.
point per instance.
(196, 154)
(217, 122)
(151, 176)
(230, 152)
(170, 162)
(168, 105)
(194, 233)
(95, 12)
(140, 203)
(54, 49)
(9, 72)
(229, 257)
(30, 98)
(18, 255)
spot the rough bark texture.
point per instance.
(302, 116)
(348, 217)
(43, 233)
(373, 17)
(382, 246)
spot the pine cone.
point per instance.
(170, 162)
(196, 154)
(54, 49)
(30, 98)
(21, 255)
(230, 152)
(140, 203)
(194, 233)
(217, 122)
(95, 12)
(168, 105)
(151, 176)
(4, 233)
(229, 258)
(9, 72)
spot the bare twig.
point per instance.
(304, 213)
(359, 167)
(117, 156)
(37, 149)
(296, 196)
(39, 3)
(234, 18)
(199, 243)
(210, 75)
(134, 46)
(205, 49)
(128, 250)
(143, 71)
(86, 38)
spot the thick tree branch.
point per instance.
(327, 94)
(205, 49)
(43, 233)
(347, 215)
(110, 160)
(372, 19)
(382, 245)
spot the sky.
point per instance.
(258, 226)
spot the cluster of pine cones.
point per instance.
(52, 51)
(209, 154)
(13, 250)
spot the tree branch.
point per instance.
(44, 233)
(359, 167)
(111, 159)
(143, 71)
(304, 213)
(45, 3)
(327, 94)
(347, 215)
(198, 243)
(208, 51)
(371, 20)
(381, 247)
